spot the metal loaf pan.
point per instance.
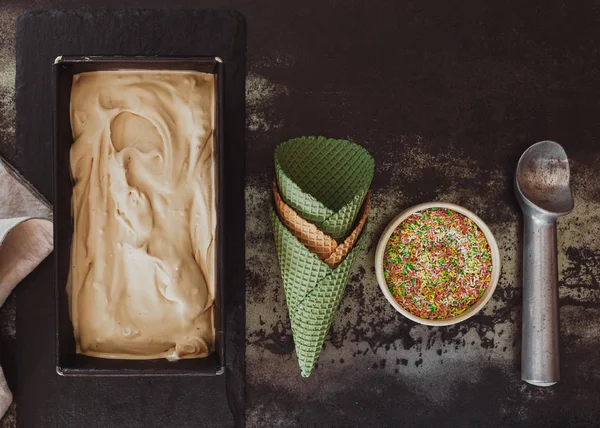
(68, 362)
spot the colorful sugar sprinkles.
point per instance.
(437, 263)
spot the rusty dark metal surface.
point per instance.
(446, 97)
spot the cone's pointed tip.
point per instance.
(305, 374)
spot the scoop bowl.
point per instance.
(542, 180)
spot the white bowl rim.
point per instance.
(379, 253)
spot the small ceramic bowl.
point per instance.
(379, 254)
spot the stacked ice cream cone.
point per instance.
(321, 203)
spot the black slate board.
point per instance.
(45, 399)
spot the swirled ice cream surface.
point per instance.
(142, 279)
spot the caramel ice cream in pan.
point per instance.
(142, 280)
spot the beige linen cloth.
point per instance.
(25, 240)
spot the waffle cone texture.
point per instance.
(313, 292)
(318, 242)
(321, 205)
(325, 181)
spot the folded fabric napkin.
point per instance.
(25, 240)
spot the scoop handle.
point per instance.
(539, 356)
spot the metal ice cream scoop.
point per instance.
(542, 188)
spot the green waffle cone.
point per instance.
(325, 181)
(300, 269)
(313, 292)
(313, 317)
